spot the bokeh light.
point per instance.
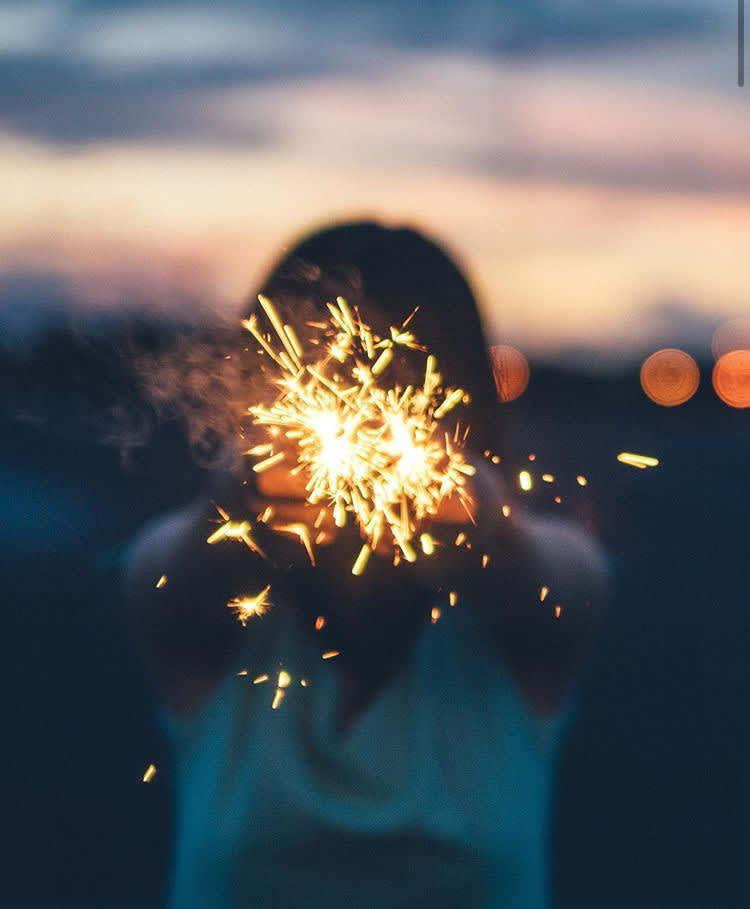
(729, 336)
(670, 377)
(731, 378)
(511, 370)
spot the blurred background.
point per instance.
(588, 164)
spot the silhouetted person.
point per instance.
(413, 769)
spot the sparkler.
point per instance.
(365, 449)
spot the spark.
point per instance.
(259, 679)
(301, 531)
(246, 607)
(277, 698)
(543, 593)
(637, 460)
(525, 481)
(235, 530)
(284, 679)
(269, 462)
(485, 560)
(507, 511)
(330, 654)
(427, 543)
(303, 683)
(453, 597)
(367, 450)
(320, 623)
(558, 611)
(162, 582)
(361, 561)
(460, 538)
(558, 499)
(548, 478)
(434, 614)
(150, 773)
(581, 480)
(450, 402)
(242, 672)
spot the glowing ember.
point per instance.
(234, 530)
(637, 460)
(330, 654)
(543, 594)
(374, 452)
(162, 582)
(268, 462)
(507, 511)
(248, 606)
(453, 597)
(434, 614)
(581, 480)
(258, 680)
(427, 544)
(302, 533)
(149, 774)
(361, 561)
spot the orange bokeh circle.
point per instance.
(731, 378)
(511, 371)
(670, 377)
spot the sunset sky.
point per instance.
(590, 166)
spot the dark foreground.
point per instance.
(653, 801)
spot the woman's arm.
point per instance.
(548, 608)
(533, 565)
(185, 628)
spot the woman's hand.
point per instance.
(280, 501)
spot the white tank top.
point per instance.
(437, 796)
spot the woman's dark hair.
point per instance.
(394, 270)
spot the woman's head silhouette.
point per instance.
(387, 272)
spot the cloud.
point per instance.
(578, 178)
(81, 72)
